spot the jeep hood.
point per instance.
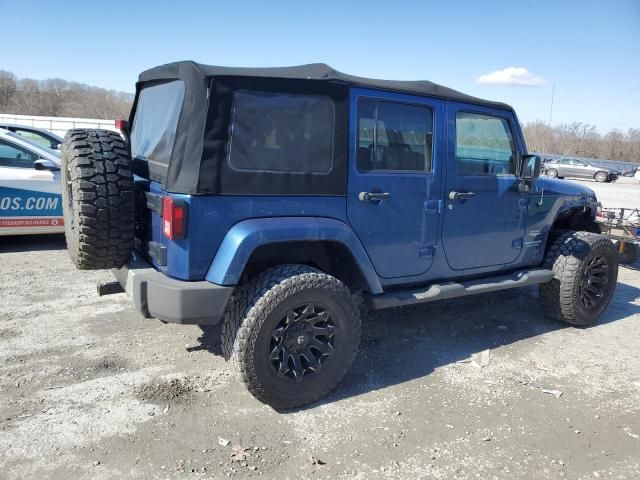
(553, 186)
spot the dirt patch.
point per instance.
(109, 364)
(7, 333)
(164, 390)
(178, 388)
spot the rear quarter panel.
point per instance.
(210, 217)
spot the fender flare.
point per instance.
(585, 203)
(244, 237)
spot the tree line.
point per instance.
(583, 140)
(55, 97)
(60, 98)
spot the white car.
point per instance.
(30, 197)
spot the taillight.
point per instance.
(121, 124)
(174, 215)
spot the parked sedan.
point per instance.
(40, 136)
(30, 199)
(573, 167)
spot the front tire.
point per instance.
(586, 270)
(601, 177)
(552, 172)
(291, 333)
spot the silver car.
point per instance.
(573, 167)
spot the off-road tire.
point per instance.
(568, 255)
(256, 308)
(97, 198)
(630, 253)
(601, 177)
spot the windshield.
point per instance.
(156, 119)
(39, 147)
(43, 139)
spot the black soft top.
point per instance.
(312, 71)
(198, 163)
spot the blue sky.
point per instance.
(590, 50)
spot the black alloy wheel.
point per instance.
(303, 341)
(594, 281)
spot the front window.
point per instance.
(394, 136)
(277, 132)
(153, 132)
(484, 145)
(15, 156)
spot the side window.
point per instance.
(394, 136)
(484, 145)
(14, 156)
(277, 132)
(34, 137)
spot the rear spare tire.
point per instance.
(97, 198)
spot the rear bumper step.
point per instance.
(154, 294)
(462, 289)
(109, 288)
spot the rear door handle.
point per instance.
(461, 195)
(373, 196)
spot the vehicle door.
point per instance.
(485, 214)
(30, 199)
(564, 167)
(579, 169)
(395, 173)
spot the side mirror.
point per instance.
(531, 165)
(44, 164)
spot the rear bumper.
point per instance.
(157, 295)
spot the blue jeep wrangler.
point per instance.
(287, 202)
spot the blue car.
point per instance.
(286, 203)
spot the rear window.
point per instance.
(273, 132)
(154, 126)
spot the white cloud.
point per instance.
(519, 76)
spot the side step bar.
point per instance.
(453, 289)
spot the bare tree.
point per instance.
(56, 97)
(7, 88)
(582, 140)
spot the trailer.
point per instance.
(622, 226)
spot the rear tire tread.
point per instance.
(248, 309)
(102, 213)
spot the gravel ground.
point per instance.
(480, 387)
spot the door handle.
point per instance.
(461, 195)
(373, 196)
